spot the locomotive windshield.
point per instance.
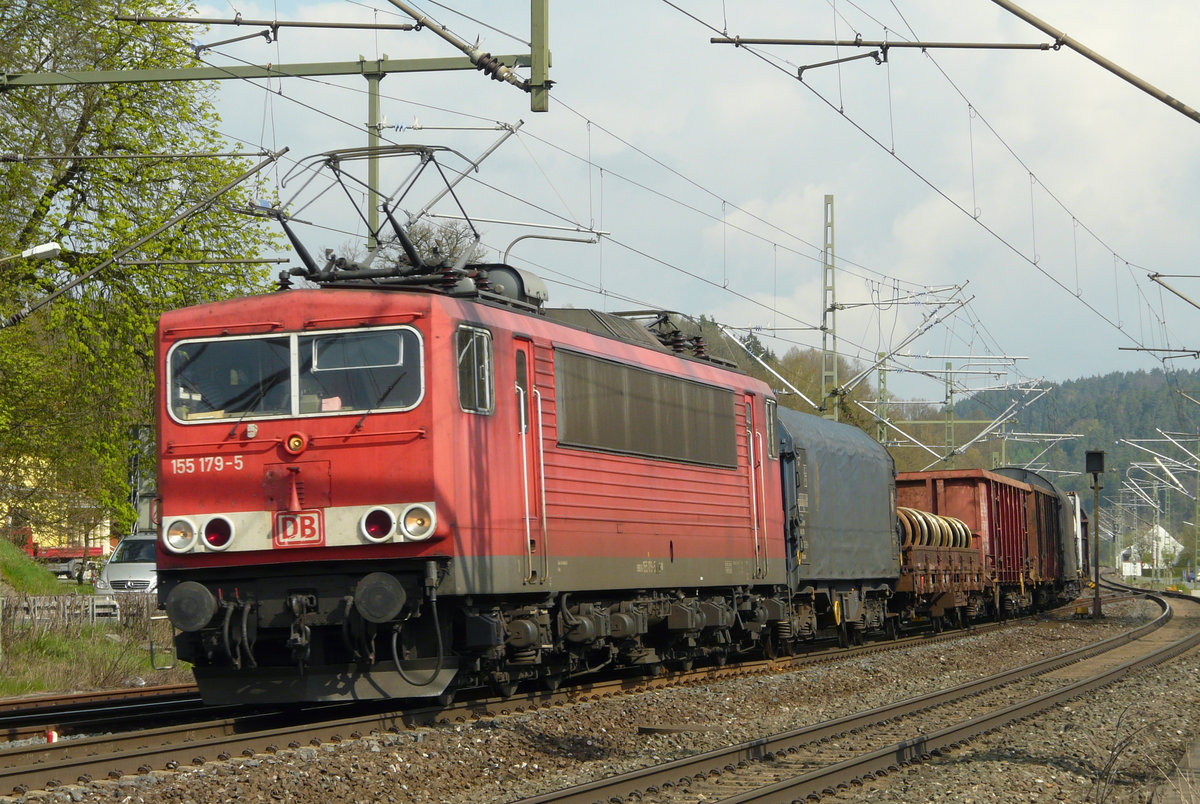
(321, 373)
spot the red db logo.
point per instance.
(298, 529)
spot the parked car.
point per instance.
(131, 567)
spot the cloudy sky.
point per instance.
(1004, 203)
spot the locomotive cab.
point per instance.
(259, 416)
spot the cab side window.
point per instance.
(476, 379)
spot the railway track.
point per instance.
(199, 737)
(819, 759)
(81, 713)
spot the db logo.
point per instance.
(298, 529)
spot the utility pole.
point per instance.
(829, 362)
(881, 402)
(1094, 465)
(974, 365)
(950, 414)
(1156, 551)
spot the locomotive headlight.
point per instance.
(377, 525)
(179, 536)
(218, 533)
(295, 443)
(417, 522)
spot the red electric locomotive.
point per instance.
(336, 462)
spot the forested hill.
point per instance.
(1104, 410)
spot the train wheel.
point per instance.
(552, 681)
(504, 688)
(892, 629)
(843, 637)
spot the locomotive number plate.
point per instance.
(298, 529)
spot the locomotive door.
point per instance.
(533, 472)
(756, 460)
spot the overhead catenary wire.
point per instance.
(610, 135)
(1035, 263)
(342, 120)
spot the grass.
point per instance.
(25, 575)
(81, 657)
(65, 656)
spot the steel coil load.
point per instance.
(923, 529)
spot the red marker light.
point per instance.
(218, 533)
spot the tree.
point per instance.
(434, 242)
(756, 347)
(90, 167)
(803, 369)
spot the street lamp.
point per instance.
(46, 251)
(1094, 466)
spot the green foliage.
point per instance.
(94, 172)
(24, 575)
(756, 348)
(803, 370)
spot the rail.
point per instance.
(880, 761)
(200, 738)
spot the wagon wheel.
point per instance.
(504, 687)
(843, 635)
(685, 664)
(770, 649)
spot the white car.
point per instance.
(131, 567)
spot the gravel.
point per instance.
(1114, 745)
